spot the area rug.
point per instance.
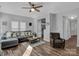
(38, 43)
(31, 46)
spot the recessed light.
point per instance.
(73, 17)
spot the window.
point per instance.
(15, 25)
(18, 26)
(22, 26)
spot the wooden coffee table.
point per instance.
(33, 38)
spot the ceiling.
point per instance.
(48, 7)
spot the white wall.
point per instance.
(78, 32)
(56, 23)
(60, 23)
(53, 22)
(47, 30)
(9, 17)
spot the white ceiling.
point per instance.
(48, 7)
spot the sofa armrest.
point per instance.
(9, 42)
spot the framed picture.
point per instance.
(43, 20)
(30, 24)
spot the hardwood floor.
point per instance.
(42, 50)
(71, 42)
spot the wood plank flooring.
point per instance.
(42, 50)
(71, 42)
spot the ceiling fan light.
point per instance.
(32, 9)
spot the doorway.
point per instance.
(73, 33)
(70, 31)
(73, 27)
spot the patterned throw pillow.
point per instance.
(30, 33)
(26, 34)
(8, 34)
(22, 34)
(18, 34)
(14, 35)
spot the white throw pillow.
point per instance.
(14, 35)
(22, 34)
(8, 34)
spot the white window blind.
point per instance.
(22, 26)
(15, 25)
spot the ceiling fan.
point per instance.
(33, 7)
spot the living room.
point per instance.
(28, 28)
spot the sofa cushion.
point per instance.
(14, 34)
(28, 33)
(9, 42)
(8, 34)
(22, 34)
(18, 34)
(58, 41)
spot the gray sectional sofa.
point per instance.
(13, 38)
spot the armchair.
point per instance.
(56, 41)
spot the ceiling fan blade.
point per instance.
(31, 4)
(26, 7)
(38, 6)
(37, 10)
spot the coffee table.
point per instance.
(31, 39)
